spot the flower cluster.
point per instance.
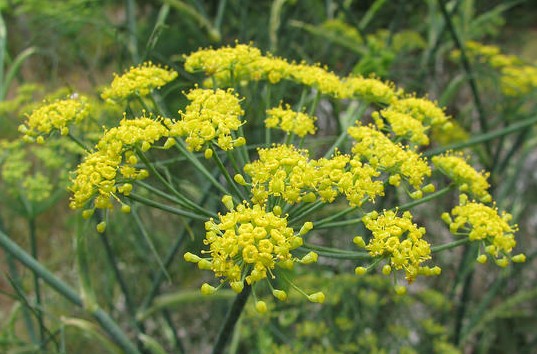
(247, 244)
(282, 171)
(402, 125)
(483, 223)
(286, 172)
(290, 121)
(244, 63)
(54, 116)
(369, 89)
(102, 174)
(349, 177)
(383, 154)
(139, 80)
(516, 78)
(399, 239)
(424, 110)
(223, 64)
(211, 115)
(465, 176)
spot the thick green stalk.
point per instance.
(477, 139)
(37, 287)
(232, 317)
(121, 281)
(468, 70)
(68, 293)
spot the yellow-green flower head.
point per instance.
(55, 116)
(329, 176)
(37, 187)
(476, 48)
(427, 112)
(383, 154)
(317, 77)
(465, 176)
(274, 69)
(449, 133)
(211, 116)
(399, 239)
(402, 125)
(343, 30)
(290, 121)
(483, 223)
(96, 176)
(369, 89)
(247, 244)
(281, 171)
(138, 80)
(239, 61)
(518, 80)
(357, 183)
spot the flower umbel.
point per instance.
(483, 223)
(247, 244)
(54, 116)
(399, 239)
(139, 80)
(290, 121)
(212, 115)
(97, 175)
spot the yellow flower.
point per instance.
(290, 121)
(139, 80)
(399, 239)
(483, 223)
(369, 89)
(96, 176)
(281, 171)
(211, 116)
(54, 116)
(425, 111)
(224, 64)
(402, 125)
(247, 244)
(384, 155)
(465, 176)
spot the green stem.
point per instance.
(121, 281)
(230, 181)
(169, 209)
(148, 241)
(132, 44)
(335, 253)
(232, 317)
(403, 207)
(484, 137)
(426, 199)
(68, 293)
(78, 142)
(307, 211)
(37, 287)
(13, 274)
(335, 216)
(185, 202)
(352, 115)
(194, 160)
(450, 245)
(468, 70)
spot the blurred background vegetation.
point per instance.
(57, 47)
